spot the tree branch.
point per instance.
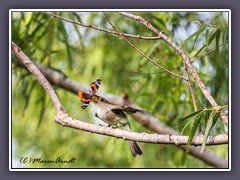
(192, 93)
(144, 118)
(140, 52)
(70, 122)
(122, 35)
(101, 29)
(42, 80)
(185, 58)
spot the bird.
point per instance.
(113, 115)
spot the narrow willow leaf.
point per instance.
(193, 130)
(225, 39)
(194, 42)
(208, 128)
(196, 38)
(206, 61)
(207, 36)
(200, 50)
(197, 33)
(29, 90)
(192, 115)
(207, 118)
(211, 38)
(217, 44)
(215, 118)
(64, 38)
(42, 111)
(185, 127)
(28, 18)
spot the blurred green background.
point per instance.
(84, 55)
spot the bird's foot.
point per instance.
(114, 127)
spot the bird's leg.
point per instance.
(98, 118)
(96, 115)
(114, 127)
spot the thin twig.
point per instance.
(190, 88)
(192, 93)
(140, 52)
(101, 29)
(185, 58)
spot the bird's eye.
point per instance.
(103, 100)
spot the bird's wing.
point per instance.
(119, 112)
(126, 109)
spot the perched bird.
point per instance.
(110, 113)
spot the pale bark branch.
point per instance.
(185, 58)
(42, 80)
(101, 29)
(64, 119)
(140, 52)
(145, 118)
(141, 137)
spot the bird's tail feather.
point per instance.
(136, 150)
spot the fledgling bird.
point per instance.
(110, 113)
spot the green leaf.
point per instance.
(215, 118)
(207, 36)
(217, 44)
(42, 111)
(28, 18)
(207, 117)
(208, 128)
(192, 115)
(193, 130)
(185, 127)
(200, 50)
(206, 61)
(211, 122)
(225, 39)
(211, 38)
(64, 39)
(197, 33)
(196, 38)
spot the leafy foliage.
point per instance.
(209, 122)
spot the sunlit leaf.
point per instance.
(28, 18)
(207, 117)
(215, 118)
(64, 38)
(217, 45)
(197, 33)
(211, 38)
(193, 130)
(192, 115)
(200, 50)
(42, 111)
(207, 130)
(186, 126)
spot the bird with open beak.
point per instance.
(113, 115)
